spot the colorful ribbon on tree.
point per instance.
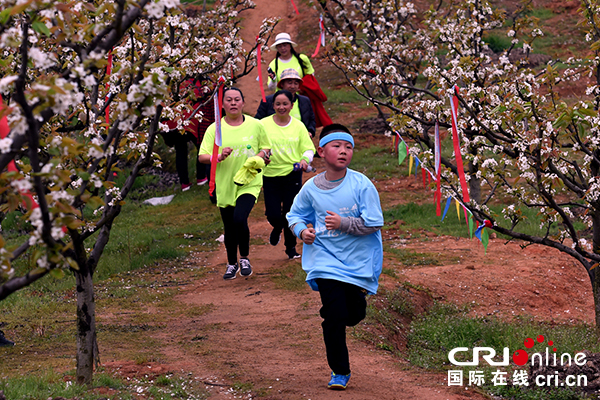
(481, 233)
(295, 8)
(28, 200)
(402, 150)
(4, 131)
(259, 66)
(321, 41)
(456, 141)
(214, 159)
(438, 170)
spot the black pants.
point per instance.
(181, 159)
(237, 232)
(344, 305)
(279, 195)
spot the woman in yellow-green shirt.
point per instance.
(286, 58)
(242, 137)
(292, 151)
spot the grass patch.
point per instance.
(141, 265)
(144, 235)
(339, 101)
(376, 162)
(446, 327)
(290, 277)
(49, 384)
(423, 216)
(543, 14)
(497, 43)
(413, 258)
(345, 95)
(388, 317)
(417, 217)
(42, 385)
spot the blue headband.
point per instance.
(336, 136)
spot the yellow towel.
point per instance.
(248, 172)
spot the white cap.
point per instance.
(282, 38)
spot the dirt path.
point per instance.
(267, 341)
(252, 20)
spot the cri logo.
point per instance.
(520, 357)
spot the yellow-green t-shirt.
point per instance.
(246, 140)
(291, 63)
(288, 145)
(295, 111)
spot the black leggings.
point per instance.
(344, 305)
(237, 232)
(279, 195)
(181, 160)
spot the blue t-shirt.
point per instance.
(335, 254)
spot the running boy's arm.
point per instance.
(300, 215)
(356, 226)
(371, 216)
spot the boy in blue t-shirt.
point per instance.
(342, 253)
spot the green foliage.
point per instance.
(542, 13)
(199, 3)
(13, 224)
(339, 99)
(497, 43)
(376, 162)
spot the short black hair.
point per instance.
(286, 93)
(233, 88)
(333, 128)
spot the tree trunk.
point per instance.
(86, 326)
(474, 184)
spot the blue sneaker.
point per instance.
(338, 382)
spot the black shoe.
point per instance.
(275, 237)
(231, 271)
(293, 254)
(4, 342)
(245, 267)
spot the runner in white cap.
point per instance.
(286, 58)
